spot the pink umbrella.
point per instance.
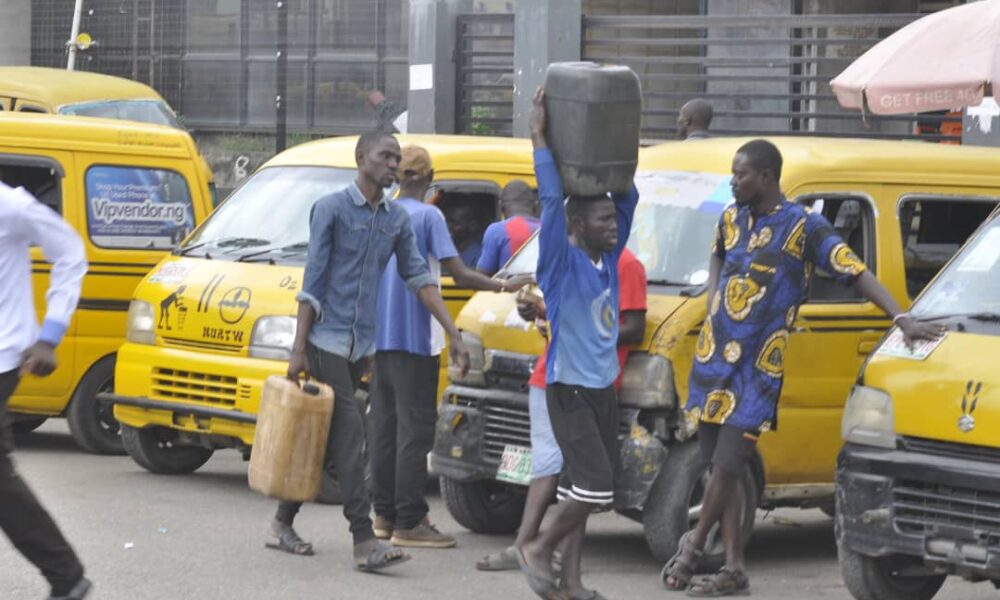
(942, 61)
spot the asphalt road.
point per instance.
(152, 537)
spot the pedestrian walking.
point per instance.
(694, 119)
(546, 458)
(407, 348)
(353, 232)
(765, 248)
(502, 239)
(580, 243)
(26, 349)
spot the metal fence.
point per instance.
(485, 74)
(215, 61)
(764, 75)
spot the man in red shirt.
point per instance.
(546, 458)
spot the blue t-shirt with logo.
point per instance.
(581, 297)
(404, 324)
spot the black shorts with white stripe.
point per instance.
(585, 424)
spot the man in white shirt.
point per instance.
(27, 349)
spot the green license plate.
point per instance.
(515, 465)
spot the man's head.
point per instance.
(518, 198)
(756, 172)
(592, 223)
(377, 155)
(463, 224)
(415, 172)
(695, 115)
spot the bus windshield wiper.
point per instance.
(667, 282)
(238, 242)
(295, 248)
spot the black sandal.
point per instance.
(681, 565)
(290, 542)
(379, 559)
(727, 582)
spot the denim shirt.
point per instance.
(349, 245)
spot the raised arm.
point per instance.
(553, 242)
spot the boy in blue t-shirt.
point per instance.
(579, 246)
(502, 239)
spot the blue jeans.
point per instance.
(546, 458)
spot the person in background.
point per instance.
(764, 247)
(336, 327)
(27, 350)
(546, 459)
(694, 119)
(407, 348)
(580, 242)
(463, 224)
(502, 239)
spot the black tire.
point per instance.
(829, 510)
(870, 578)
(25, 425)
(91, 421)
(154, 449)
(484, 506)
(678, 488)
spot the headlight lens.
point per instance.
(273, 337)
(141, 328)
(477, 363)
(648, 382)
(869, 418)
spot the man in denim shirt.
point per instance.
(353, 232)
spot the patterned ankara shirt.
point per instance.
(739, 359)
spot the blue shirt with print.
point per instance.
(766, 263)
(350, 243)
(581, 298)
(404, 323)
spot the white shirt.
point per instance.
(24, 221)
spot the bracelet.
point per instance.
(902, 315)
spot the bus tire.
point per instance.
(153, 449)
(484, 506)
(92, 422)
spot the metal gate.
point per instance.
(763, 74)
(140, 40)
(485, 74)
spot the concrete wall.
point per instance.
(15, 32)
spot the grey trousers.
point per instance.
(345, 446)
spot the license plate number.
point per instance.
(515, 465)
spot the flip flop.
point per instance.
(505, 560)
(543, 584)
(378, 559)
(587, 595)
(290, 542)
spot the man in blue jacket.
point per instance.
(579, 246)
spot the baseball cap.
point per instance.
(415, 159)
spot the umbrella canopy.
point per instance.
(940, 62)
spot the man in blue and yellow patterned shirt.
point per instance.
(764, 253)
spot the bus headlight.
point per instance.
(869, 418)
(273, 337)
(476, 375)
(648, 382)
(141, 327)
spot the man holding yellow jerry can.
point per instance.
(353, 232)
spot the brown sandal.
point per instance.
(727, 582)
(681, 565)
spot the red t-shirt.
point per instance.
(631, 296)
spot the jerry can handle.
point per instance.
(310, 388)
